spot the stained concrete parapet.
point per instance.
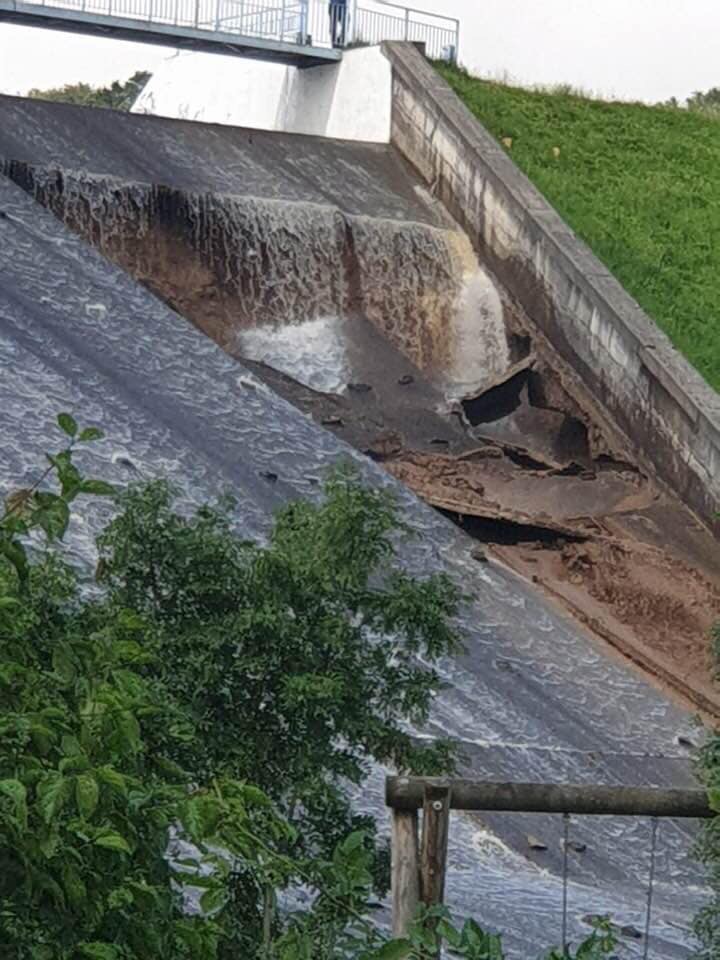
(669, 414)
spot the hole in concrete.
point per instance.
(519, 346)
(497, 402)
(572, 442)
(517, 409)
(511, 532)
(524, 459)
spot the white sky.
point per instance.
(639, 49)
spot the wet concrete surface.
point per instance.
(357, 178)
(534, 697)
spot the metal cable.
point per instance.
(566, 838)
(651, 882)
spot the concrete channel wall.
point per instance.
(668, 412)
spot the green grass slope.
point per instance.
(640, 184)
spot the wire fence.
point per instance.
(319, 23)
(420, 845)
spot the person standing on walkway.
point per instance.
(338, 22)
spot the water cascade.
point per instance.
(286, 282)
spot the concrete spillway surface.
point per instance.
(534, 697)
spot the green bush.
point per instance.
(217, 690)
(213, 686)
(120, 95)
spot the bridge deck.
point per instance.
(208, 38)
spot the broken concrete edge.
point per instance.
(487, 511)
(650, 392)
(522, 366)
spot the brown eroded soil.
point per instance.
(646, 599)
(595, 534)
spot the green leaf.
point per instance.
(200, 815)
(15, 553)
(52, 515)
(70, 745)
(394, 950)
(11, 672)
(87, 794)
(91, 433)
(127, 732)
(49, 841)
(52, 792)
(98, 488)
(714, 799)
(171, 769)
(62, 664)
(16, 791)
(213, 900)
(42, 951)
(113, 841)
(99, 951)
(75, 889)
(68, 424)
(68, 474)
(78, 763)
(111, 778)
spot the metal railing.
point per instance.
(378, 20)
(319, 23)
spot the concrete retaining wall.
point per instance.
(667, 411)
(349, 100)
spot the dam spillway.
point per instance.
(118, 231)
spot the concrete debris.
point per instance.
(521, 367)
(576, 846)
(385, 445)
(535, 844)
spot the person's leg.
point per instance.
(333, 22)
(343, 10)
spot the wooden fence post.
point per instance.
(433, 859)
(405, 870)
(433, 856)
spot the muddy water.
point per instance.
(289, 279)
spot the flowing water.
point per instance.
(321, 291)
(295, 276)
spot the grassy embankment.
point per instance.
(640, 184)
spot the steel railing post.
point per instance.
(407, 24)
(217, 14)
(353, 32)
